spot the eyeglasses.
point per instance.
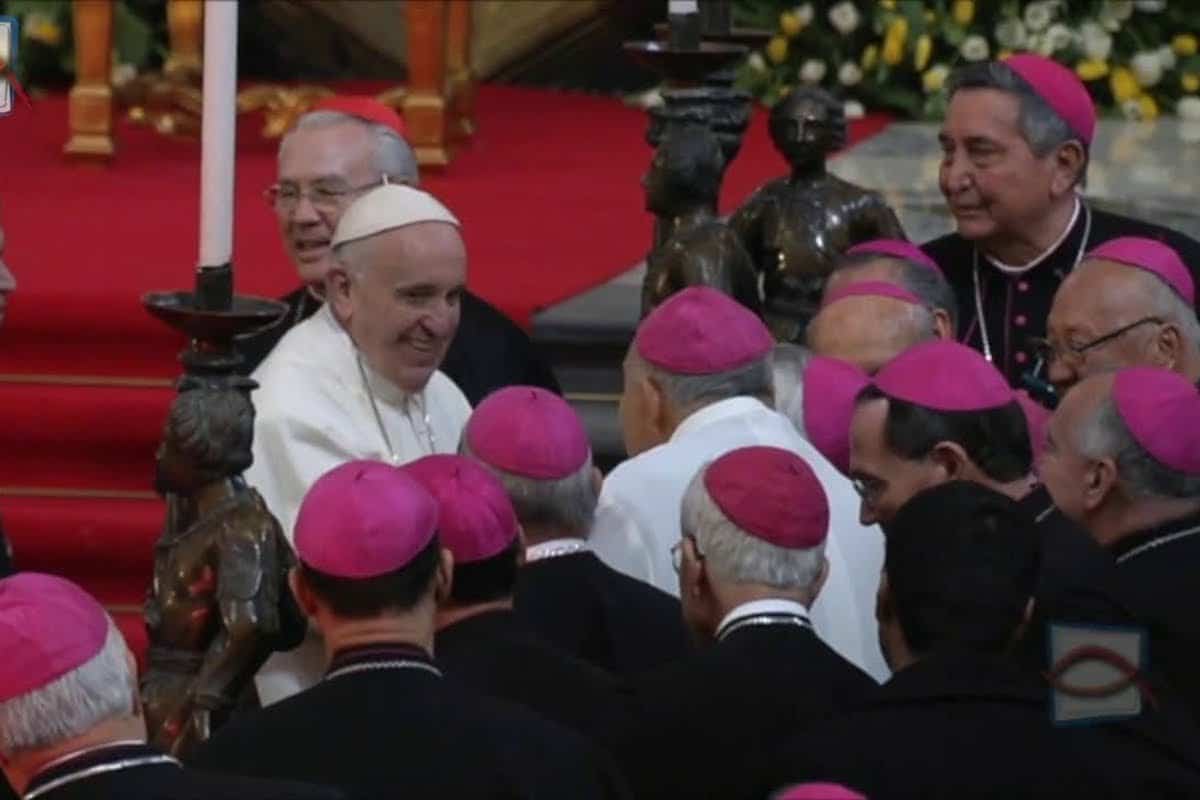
(325, 197)
(1049, 353)
(867, 488)
(677, 552)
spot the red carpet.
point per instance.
(550, 200)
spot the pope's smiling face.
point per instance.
(399, 297)
(994, 184)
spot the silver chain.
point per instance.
(980, 318)
(427, 428)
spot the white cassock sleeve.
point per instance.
(301, 432)
(619, 541)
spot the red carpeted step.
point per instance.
(99, 438)
(109, 540)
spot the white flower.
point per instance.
(1150, 6)
(1114, 12)
(1097, 42)
(1010, 34)
(1147, 68)
(803, 13)
(1060, 37)
(974, 48)
(1121, 9)
(1188, 108)
(1038, 15)
(850, 74)
(844, 17)
(813, 71)
(1166, 57)
(756, 62)
(1132, 109)
(853, 109)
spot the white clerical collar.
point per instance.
(553, 548)
(1010, 269)
(720, 410)
(771, 607)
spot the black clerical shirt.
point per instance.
(1016, 307)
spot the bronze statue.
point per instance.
(795, 228)
(692, 246)
(220, 603)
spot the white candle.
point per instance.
(219, 132)
(682, 7)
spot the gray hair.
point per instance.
(929, 286)
(566, 504)
(1106, 435)
(100, 690)
(733, 555)
(1041, 126)
(787, 363)
(693, 391)
(390, 156)
(1167, 305)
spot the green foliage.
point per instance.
(46, 52)
(1122, 49)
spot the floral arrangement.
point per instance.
(47, 47)
(1139, 58)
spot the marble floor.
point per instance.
(1147, 170)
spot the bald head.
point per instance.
(928, 285)
(1101, 297)
(868, 331)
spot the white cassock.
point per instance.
(638, 519)
(314, 411)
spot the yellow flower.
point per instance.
(894, 40)
(1190, 82)
(1185, 44)
(963, 12)
(1147, 107)
(790, 24)
(930, 17)
(923, 51)
(870, 55)
(935, 78)
(1091, 69)
(777, 49)
(888, 4)
(1123, 84)
(43, 29)
(1003, 54)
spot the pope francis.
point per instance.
(359, 379)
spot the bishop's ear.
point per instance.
(1100, 480)
(1069, 164)
(950, 459)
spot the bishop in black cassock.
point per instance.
(385, 722)
(1022, 224)
(537, 445)
(961, 717)
(751, 560)
(480, 641)
(1139, 497)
